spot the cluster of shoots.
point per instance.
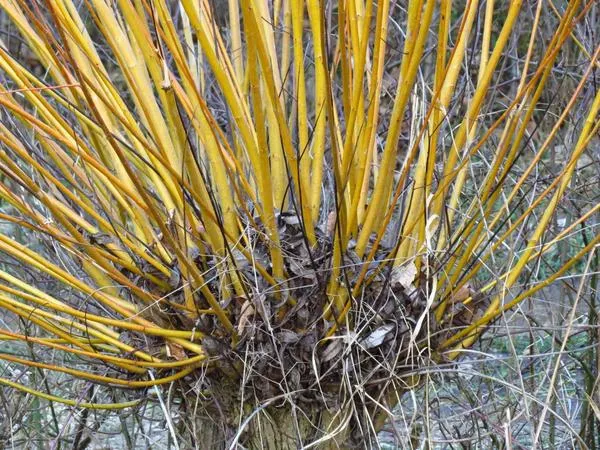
(173, 173)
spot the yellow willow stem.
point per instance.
(473, 110)
(132, 384)
(416, 211)
(365, 14)
(53, 343)
(565, 179)
(29, 312)
(278, 160)
(366, 142)
(476, 240)
(64, 401)
(286, 40)
(467, 335)
(263, 175)
(300, 88)
(45, 320)
(547, 247)
(194, 61)
(237, 55)
(355, 123)
(8, 336)
(268, 33)
(40, 47)
(439, 111)
(300, 185)
(89, 319)
(320, 112)
(419, 25)
(342, 204)
(124, 259)
(343, 58)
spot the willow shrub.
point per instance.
(278, 207)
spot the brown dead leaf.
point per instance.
(461, 294)
(463, 306)
(175, 351)
(331, 221)
(246, 313)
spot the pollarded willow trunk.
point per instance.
(337, 397)
(282, 428)
(275, 428)
(244, 204)
(342, 408)
(288, 388)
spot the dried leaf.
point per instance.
(288, 337)
(100, 239)
(404, 275)
(377, 337)
(290, 218)
(331, 221)
(174, 277)
(263, 307)
(213, 346)
(294, 378)
(462, 294)
(246, 313)
(240, 260)
(175, 351)
(332, 350)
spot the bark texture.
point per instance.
(273, 428)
